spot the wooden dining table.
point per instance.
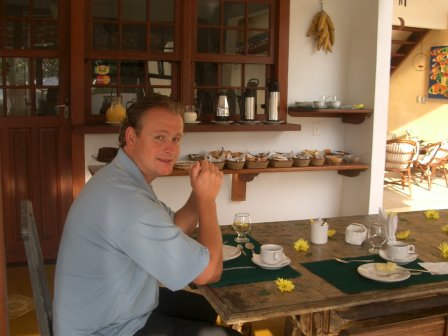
(316, 307)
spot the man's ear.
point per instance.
(130, 136)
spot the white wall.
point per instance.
(349, 72)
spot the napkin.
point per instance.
(389, 220)
(435, 267)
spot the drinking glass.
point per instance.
(241, 225)
(376, 237)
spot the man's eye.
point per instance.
(177, 140)
(159, 137)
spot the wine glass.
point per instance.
(376, 237)
(241, 225)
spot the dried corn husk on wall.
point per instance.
(322, 28)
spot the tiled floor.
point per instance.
(398, 200)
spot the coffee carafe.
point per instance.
(273, 100)
(222, 108)
(248, 107)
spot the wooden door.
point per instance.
(35, 137)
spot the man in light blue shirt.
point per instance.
(120, 242)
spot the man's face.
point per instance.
(156, 149)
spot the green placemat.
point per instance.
(346, 278)
(257, 274)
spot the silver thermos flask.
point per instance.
(249, 106)
(273, 100)
(222, 108)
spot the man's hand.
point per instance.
(206, 180)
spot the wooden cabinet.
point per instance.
(191, 50)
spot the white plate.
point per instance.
(250, 122)
(115, 123)
(369, 271)
(192, 122)
(230, 252)
(256, 259)
(274, 122)
(222, 122)
(410, 258)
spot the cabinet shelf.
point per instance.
(349, 116)
(202, 127)
(241, 176)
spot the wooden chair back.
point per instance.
(36, 268)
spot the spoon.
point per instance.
(241, 248)
(251, 247)
(353, 260)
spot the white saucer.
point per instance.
(230, 252)
(274, 122)
(407, 260)
(250, 122)
(222, 122)
(369, 271)
(193, 122)
(114, 123)
(256, 259)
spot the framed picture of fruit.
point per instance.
(438, 73)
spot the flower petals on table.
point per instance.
(284, 285)
(432, 214)
(301, 245)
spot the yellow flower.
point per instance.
(331, 232)
(301, 245)
(445, 228)
(284, 285)
(401, 235)
(432, 214)
(444, 249)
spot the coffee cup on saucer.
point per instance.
(399, 250)
(271, 254)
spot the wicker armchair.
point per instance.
(436, 158)
(400, 154)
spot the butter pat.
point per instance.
(385, 267)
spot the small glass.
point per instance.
(242, 226)
(376, 237)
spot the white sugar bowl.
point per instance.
(355, 234)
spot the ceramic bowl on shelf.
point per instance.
(335, 104)
(319, 104)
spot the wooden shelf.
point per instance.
(349, 116)
(202, 127)
(241, 176)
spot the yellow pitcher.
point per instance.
(116, 111)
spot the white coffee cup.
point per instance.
(190, 116)
(319, 233)
(399, 250)
(355, 234)
(271, 254)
